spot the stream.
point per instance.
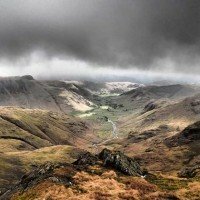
(114, 135)
(114, 128)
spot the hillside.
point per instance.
(148, 107)
(31, 137)
(178, 114)
(167, 91)
(50, 95)
(140, 97)
(188, 138)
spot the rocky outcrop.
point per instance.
(135, 137)
(41, 173)
(195, 106)
(121, 163)
(150, 106)
(188, 135)
(86, 160)
(189, 172)
(115, 160)
(27, 77)
(192, 132)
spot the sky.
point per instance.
(146, 40)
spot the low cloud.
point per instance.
(146, 35)
(73, 69)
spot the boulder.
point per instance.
(120, 162)
(86, 159)
(150, 106)
(115, 160)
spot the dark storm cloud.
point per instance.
(114, 32)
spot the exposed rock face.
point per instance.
(192, 132)
(41, 173)
(116, 160)
(196, 106)
(120, 162)
(86, 159)
(28, 77)
(188, 135)
(38, 174)
(135, 137)
(189, 172)
(150, 106)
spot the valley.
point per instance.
(57, 121)
(100, 100)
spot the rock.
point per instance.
(86, 159)
(195, 103)
(104, 154)
(36, 175)
(150, 106)
(135, 137)
(192, 132)
(149, 150)
(115, 160)
(28, 180)
(120, 162)
(28, 77)
(189, 172)
(41, 173)
(195, 106)
(188, 135)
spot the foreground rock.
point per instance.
(115, 160)
(121, 162)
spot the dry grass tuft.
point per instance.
(191, 192)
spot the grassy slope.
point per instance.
(27, 138)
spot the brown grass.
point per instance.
(191, 192)
(108, 186)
